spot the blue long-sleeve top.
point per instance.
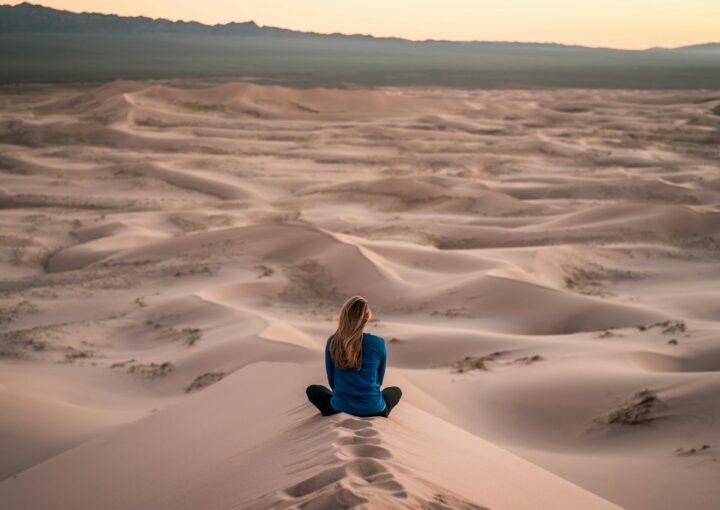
(358, 391)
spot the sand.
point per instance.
(544, 266)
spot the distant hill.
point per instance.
(27, 17)
(39, 44)
(701, 47)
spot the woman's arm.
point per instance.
(383, 362)
(329, 366)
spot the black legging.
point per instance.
(320, 397)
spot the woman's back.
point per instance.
(357, 391)
(355, 364)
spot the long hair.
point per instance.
(346, 345)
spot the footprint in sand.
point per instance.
(340, 498)
(361, 473)
(371, 451)
(364, 468)
(354, 424)
(357, 439)
(316, 482)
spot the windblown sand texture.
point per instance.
(544, 266)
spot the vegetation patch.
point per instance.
(73, 354)
(637, 411)
(122, 364)
(528, 360)
(470, 363)
(152, 370)
(204, 380)
(19, 344)
(684, 452)
(590, 278)
(668, 327)
(265, 271)
(606, 334)
(586, 281)
(201, 270)
(450, 312)
(147, 370)
(13, 312)
(191, 335)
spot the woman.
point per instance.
(355, 363)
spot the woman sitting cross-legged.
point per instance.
(355, 363)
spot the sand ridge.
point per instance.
(304, 461)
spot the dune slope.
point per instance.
(229, 448)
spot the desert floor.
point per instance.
(544, 266)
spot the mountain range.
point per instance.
(38, 43)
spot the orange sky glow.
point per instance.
(630, 24)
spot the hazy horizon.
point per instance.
(609, 23)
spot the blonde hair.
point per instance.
(346, 345)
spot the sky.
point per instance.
(628, 24)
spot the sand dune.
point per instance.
(542, 264)
(414, 460)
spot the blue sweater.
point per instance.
(358, 391)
